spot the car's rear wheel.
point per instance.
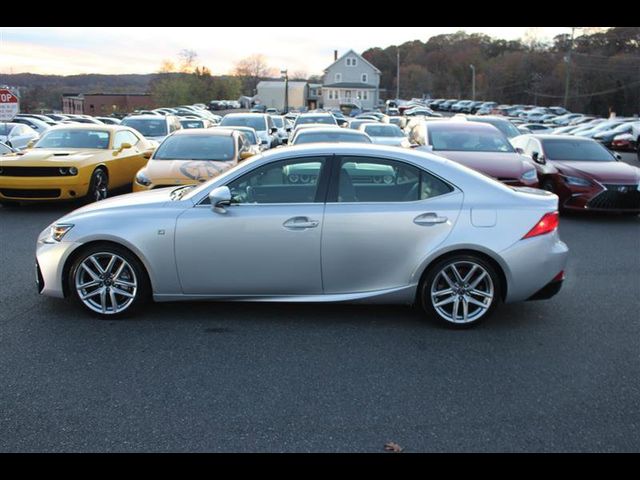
(98, 186)
(108, 281)
(460, 291)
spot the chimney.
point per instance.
(335, 55)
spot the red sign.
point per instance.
(9, 105)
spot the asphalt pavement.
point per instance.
(556, 375)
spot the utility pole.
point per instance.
(568, 72)
(473, 82)
(286, 90)
(398, 74)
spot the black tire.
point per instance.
(142, 292)
(547, 184)
(433, 275)
(9, 204)
(98, 186)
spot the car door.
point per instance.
(382, 218)
(19, 137)
(128, 160)
(267, 242)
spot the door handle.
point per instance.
(430, 218)
(300, 223)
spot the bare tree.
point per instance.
(253, 68)
(188, 59)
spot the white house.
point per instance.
(351, 79)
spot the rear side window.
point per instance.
(367, 179)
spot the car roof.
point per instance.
(90, 126)
(461, 125)
(347, 131)
(548, 136)
(214, 132)
(146, 116)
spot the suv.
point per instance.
(153, 127)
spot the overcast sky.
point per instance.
(74, 50)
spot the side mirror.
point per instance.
(147, 154)
(31, 143)
(538, 158)
(288, 129)
(273, 129)
(245, 154)
(219, 198)
(618, 156)
(122, 147)
(519, 150)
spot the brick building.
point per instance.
(105, 103)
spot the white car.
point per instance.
(40, 126)
(17, 135)
(260, 122)
(386, 134)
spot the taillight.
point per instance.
(547, 224)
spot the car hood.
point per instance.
(177, 170)
(603, 172)
(494, 164)
(43, 156)
(138, 199)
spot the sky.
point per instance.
(113, 50)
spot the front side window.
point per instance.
(287, 181)
(124, 137)
(74, 139)
(366, 179)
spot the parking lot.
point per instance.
(557, 375)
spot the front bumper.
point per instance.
(42, 188)
(50, 261)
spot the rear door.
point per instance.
(382, 218)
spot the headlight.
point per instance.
(57, 232)
(142, 179)
(530, 175)
(576, 181)
(68, 171)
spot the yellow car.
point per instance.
(73, 161)
(191, 156)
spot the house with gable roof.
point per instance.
(350, 79)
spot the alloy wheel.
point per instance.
(100, 184)
(462, 292)
(106, 283)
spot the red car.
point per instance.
(590, 177)
(479, 146)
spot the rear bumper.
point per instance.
(532, 263)
(548, 291)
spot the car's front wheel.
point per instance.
(98, 186)
(108, 280)
(460, 291)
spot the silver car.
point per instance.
(434, 233)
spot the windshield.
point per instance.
(196, 147)
(576, 150)
(325, 137)
(257, 123)
(469, 141)
(278, 122)
(192, 123)
(508, 128)
(326, 119)
(74, 139)
(383, 131)
(148, 127)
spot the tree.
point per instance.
(252, 69)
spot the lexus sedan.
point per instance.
(590, 177)
(435, 233)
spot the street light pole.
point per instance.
(286, 90)
(568, 73)
(473, 82)
(398, 74)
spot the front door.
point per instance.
(267, 242)
(383, 217)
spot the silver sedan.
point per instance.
(314, 223)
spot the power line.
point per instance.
(593, 94)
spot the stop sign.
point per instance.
(9, 105)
